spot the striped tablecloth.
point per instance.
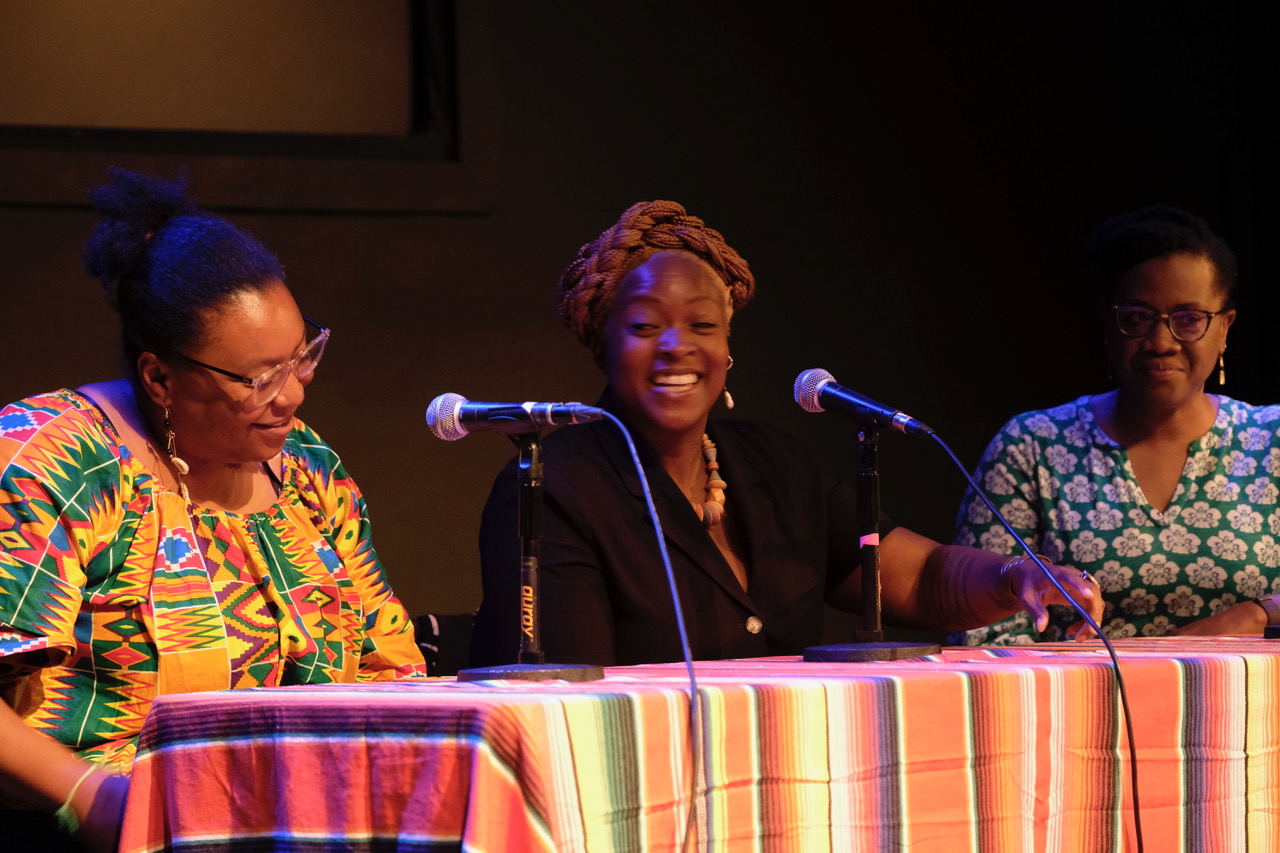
(973, 749)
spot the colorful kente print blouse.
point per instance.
(1070, 491)
(133, 594)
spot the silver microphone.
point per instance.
(451, 416)
(816, 391)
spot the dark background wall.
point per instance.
(910, 182)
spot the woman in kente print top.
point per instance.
(1165, 493)
(176, 530)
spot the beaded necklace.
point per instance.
(711, 513)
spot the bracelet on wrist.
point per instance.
(67, 819)
(1269, 604)
(1006, 569)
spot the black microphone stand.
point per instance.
(531, 665)
(869, 643)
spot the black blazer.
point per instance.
(604, 597)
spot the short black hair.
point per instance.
(1126, 240)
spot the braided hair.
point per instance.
(590, 284)
(163, 263)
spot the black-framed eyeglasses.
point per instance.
(1187, 325)
(267, 386)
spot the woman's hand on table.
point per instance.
(1036, 592)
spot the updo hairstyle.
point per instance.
(589, 286)
(163, 262)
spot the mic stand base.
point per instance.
(531, 662)
(870, 645)
(534, 672)
(861, 652)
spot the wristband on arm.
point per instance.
(1269, 603)
(66, 817)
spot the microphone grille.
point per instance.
(442, 417)
(807, 386)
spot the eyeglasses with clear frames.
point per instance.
(267, 386)
(1187, 325)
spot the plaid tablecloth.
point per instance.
(973, 749)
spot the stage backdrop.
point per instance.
(911, 184)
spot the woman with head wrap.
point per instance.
(759, 535)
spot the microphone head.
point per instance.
(807, 386)
(442, 417)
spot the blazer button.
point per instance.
(754, 625)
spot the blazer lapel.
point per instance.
(746, 499)
(680, 525)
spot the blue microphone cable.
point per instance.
(699, 742)
(1115, 660)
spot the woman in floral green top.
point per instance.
(1167, 495)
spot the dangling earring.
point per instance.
(728, 398)
(171, 447)
(1222, 371)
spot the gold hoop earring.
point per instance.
(1222, 370)
(728, 398)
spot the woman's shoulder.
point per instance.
(1240, 413)
(1026, 438)
(67, 412)
(584, 445)
(571, 451)
(760, 432)
(311, 452)
(61, 400)
(1073, 411)
(765, 444)
(1071, 422)
(314, 473)
(60, 437)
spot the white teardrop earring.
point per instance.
(728, 398)
(179, 464)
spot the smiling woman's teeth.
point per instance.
(682, 379)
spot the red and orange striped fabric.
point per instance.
(971, 750)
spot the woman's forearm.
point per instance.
(926, 584)
(962, 588)
(955, 588)
(37, 772)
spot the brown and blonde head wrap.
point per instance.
(590, 284)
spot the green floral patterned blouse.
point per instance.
(1070, 491)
